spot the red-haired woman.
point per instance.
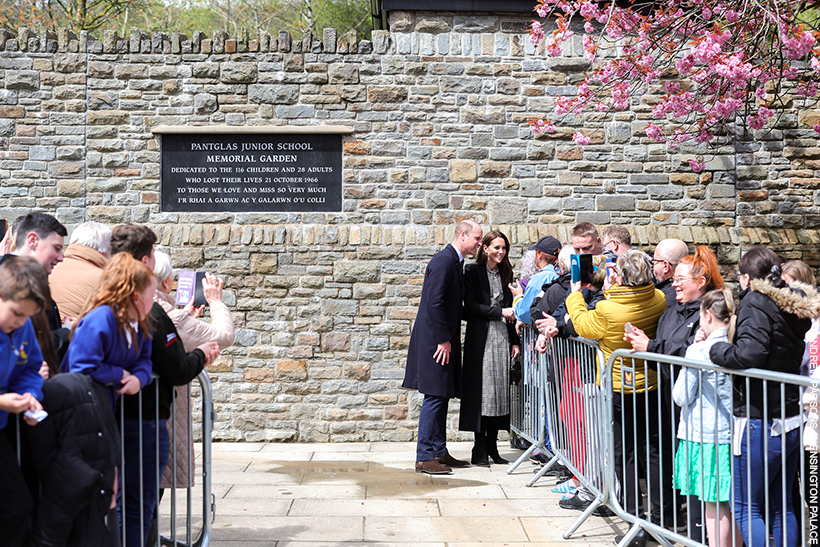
(695, 275)
(489, 343)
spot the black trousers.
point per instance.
(638, 455)
(15, 500)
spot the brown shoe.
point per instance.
(432, 467)
(447, 459)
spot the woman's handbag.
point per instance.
(515, 370)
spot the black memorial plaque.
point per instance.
(253, 173)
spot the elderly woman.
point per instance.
(631, 298)
(193, 332)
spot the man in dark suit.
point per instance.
(434, 356)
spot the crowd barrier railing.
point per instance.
(624, 444)
(176, 522)
(752, 473)
(528, 410)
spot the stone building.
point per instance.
(437, 109)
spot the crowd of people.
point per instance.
(96, 358)
(719, 452)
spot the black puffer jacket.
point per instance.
(771, 325)
(676, 332)
(75, 450)
(171, 365)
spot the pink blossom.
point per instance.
(760, 92)
(816, 127)
(799, 45)
(588, 10)
(697, 165)
(731, 16)
(542, 11)
(536, 32)
(589, 28)
(581, 139)
(654, 133)
(707, 13)
(755, 122)
(815, 64)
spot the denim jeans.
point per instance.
(750, 495)
(138, 514)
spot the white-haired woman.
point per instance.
(193, 332)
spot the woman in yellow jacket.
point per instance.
(632, 298)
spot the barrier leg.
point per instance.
(521, 459)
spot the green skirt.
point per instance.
(704, 470)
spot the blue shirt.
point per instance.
(20, 361)
(548, 274)
(98, 348)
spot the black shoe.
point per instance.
(479, 461)
(575, 503)
(557, 469)
(539, 459)
(640, 539)
(497, 459)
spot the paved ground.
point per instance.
(367, 494)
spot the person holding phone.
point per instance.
(695, 275)
(489, 344)
(633, 299)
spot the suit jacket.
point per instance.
(438, 321)
(478, 313)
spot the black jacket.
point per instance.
(554, 295)
(75, 450)
(591, 297)
(478, 313)
(771, 325)
(668, 291)
(171, 365)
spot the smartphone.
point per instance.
(4, 224)
(581, 268)
(629, 328)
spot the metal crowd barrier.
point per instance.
(171, 531)
(528, 402)
(767, 492)
(586, 419)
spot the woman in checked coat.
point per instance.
(489, 344)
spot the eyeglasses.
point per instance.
(681, 280)
(659, 261)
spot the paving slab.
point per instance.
(369, 495)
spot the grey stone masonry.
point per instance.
(438, 106)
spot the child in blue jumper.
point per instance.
(23, 285)
(111, 341)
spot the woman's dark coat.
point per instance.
(75, 450)
(478, 314)
(676, 332)
(771, 325)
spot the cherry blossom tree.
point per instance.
(721, 67)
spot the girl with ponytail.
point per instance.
(703, 465)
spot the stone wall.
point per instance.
(324, 302)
